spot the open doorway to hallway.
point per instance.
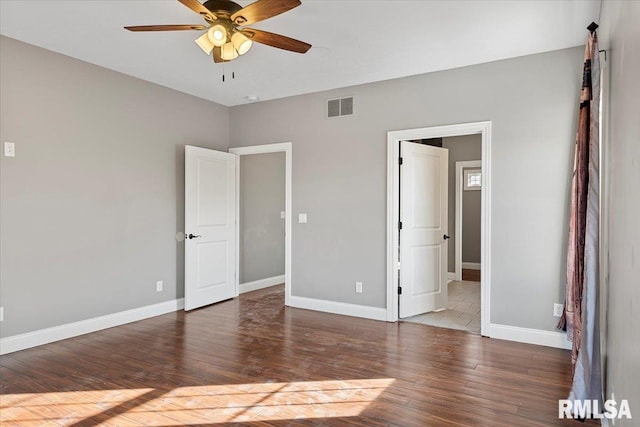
(262, 220)
(463, 308)
(395, 268)
(263, 217)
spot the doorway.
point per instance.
(245, 275)
(467, 233)
(393, 209)
(461, 308)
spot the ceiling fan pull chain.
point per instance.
(233, 74)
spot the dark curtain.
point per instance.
(581, 312)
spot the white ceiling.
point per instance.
(354, 41)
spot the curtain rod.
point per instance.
(592, 28)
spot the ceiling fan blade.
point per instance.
(199, 8)
(276, 40)
(263, 9)
(217, 55)
(165, 27)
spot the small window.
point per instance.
(472, 179)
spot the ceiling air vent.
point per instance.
(340, 107)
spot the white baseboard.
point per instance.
(70, 330)
(450, 276)
(529, 336)
(260, 284)
(471, 265)
(334, 307)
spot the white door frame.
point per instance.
(285, 147)
(393, 198)
(460, 167)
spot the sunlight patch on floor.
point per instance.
(194, 405)
(61, 408)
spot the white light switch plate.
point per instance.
(9, 149)
(302, 218)
(283, 214)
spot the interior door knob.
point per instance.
(445, 237)
(193, 236)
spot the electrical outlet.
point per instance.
(9, 149)
(557, 310)
(1, 314)
(159, 286)
(358, 287)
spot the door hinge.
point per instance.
(399, 290)
(400, 161)
(400, 225)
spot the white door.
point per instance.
(210, 192)
(423, 237)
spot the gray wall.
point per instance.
(262, 198)
(339, 175)
(620, 34)
(91, 204)
(463, 148)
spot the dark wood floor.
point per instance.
(471, 275)
(251, 361)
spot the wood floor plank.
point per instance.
(252, 361)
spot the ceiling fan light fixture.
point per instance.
(205, 44)
(241, 43)
(217, 35)
(228, 52)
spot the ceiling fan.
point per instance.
(224, 19)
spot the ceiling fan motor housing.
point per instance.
(222, 8)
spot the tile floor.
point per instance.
(463, 309)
